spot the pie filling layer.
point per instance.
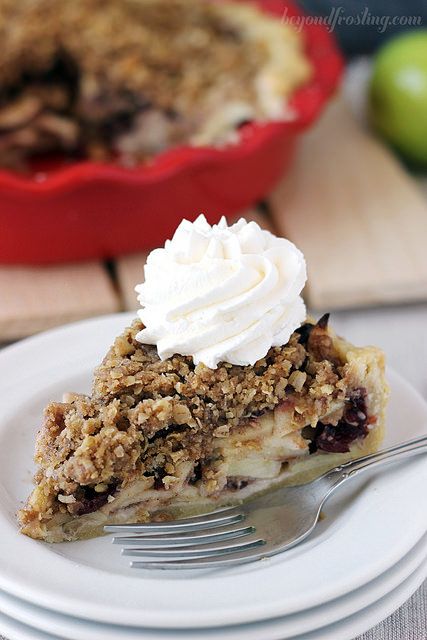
(175, 72)
(159, 439)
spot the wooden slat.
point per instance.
(37, 298)
(130, 269)
(359, 218)
(257, 215)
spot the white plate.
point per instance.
(367, 529)
(69, 628)
(346, 629)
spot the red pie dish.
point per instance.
(64, 209)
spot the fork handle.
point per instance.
(392, 454)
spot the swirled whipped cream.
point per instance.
(221, 294)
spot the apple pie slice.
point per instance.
(159, 439)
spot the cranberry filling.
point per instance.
(304, 331)
(353, 425)
(92, 501)
(234, 483)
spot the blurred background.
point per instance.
(361, 27)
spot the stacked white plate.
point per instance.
(366, 557)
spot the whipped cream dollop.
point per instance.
(221, 293)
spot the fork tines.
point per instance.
(209, 540)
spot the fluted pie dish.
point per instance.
(159, 439)
(95, 126)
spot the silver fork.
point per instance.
(256, 529)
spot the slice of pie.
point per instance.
(159, 439)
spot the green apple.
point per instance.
(398, 95)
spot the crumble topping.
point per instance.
(148, 416)
(136, 56)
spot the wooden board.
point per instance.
(357, 215)
(36, 298)
(130, 269)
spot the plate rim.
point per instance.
(376, 591)
(366, 618)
